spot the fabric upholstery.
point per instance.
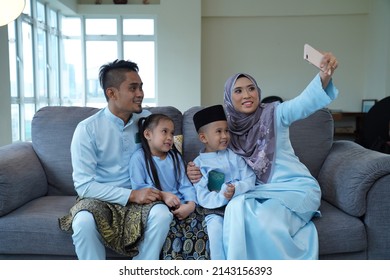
(343, 190)
(312, 139)
(339, 232)
(377, 229)
(17, 236)
(191, 142)
(32, 230)
(21, 176)
(171, 112)
(52, 131)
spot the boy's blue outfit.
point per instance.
(237, 172)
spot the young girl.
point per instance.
(159, 165)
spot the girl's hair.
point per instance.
(150, 123)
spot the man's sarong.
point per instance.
(121, 227)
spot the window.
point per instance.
(55, 60)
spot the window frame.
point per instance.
(52, 79)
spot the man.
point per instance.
(108, 212)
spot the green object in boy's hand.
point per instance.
(216, 179)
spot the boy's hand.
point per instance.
(228, 194)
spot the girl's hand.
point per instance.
(171, 200)
(184, 210)
(230, 190)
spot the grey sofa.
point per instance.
(36, 186)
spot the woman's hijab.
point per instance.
(252, 135)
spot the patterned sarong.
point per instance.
(121, 227)
(188, 239)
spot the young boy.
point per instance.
(224, 174)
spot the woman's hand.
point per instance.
(193, 172)
(328, 65)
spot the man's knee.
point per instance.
(83, 221)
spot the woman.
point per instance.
(274, 220)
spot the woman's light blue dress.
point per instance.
(274, 220)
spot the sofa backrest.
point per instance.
(53, 128)
(191, 142)
(52, 132)
(311, 138)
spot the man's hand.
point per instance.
(193, 172)
(145, 196)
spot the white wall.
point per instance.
(266, 38)
(179, 53)
(178, 47)
(377, 83)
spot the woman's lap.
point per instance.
(266, 229)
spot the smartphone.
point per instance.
(313, 56)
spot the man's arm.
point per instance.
(84, 163)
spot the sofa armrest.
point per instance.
(376, 220)
(22, 178)
(348, 174)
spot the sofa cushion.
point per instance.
(312, 139)
(339, 232)
(33, 228)
(22, 178)
(52, 130)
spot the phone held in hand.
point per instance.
(313, 56)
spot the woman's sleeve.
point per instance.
(247, 180)
(313, 98)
